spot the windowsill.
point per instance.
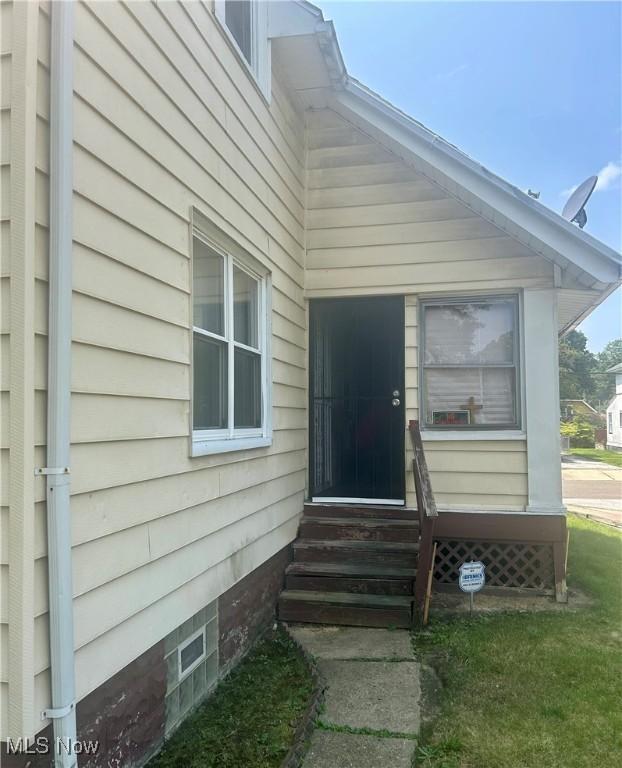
(207, 447)
(456, 434)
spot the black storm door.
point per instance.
(357, 427)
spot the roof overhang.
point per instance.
(311, 59)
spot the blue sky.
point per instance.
(530, 89)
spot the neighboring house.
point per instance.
(614, 413)
(231, 274)
(571, 408)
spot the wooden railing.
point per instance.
(428, 515)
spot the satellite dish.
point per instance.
(574, 210)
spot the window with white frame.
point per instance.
(230, 406)
(191, 653)
(470, 363)
(246, 24)
(610, 422)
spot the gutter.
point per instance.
(63, 710)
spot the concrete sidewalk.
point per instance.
(372, 685)
(593, 489)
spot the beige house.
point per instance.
(231, 275)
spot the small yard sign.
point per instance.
(472, 579)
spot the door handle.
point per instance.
(395, 402)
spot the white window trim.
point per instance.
(209, 441)
(433, 435)
(259, 67)
(475, 431)
(183, 675)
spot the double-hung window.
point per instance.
(231, 397)
(470, 363)
(246, 24)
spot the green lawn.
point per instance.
(596, 454)
(540, 690)
(250, 720)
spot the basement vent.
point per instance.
(191, 656)
(191, 653)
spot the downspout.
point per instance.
(63, 711)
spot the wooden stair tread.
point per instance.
(347, 598)
(350, 570)
(367, 522)
(388, 546)
(386, 512)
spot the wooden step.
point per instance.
(331, 577)
(356, 586)
(387, 512)
(353, 570)
(345, 608)
(358, 529)
(389, 553)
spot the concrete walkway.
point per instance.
(593, 489)
(372, 686)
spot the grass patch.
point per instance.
(251, 718)
(534, 690)
(596, 454)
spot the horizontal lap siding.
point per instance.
(470, 473)
(166, 119)
(376, 226)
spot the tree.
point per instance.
(576, 366)
(580, 432)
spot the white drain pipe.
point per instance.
(63, 710)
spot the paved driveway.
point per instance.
(593, 489)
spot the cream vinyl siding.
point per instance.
(375, 226)
(474, 473)
(165, 118)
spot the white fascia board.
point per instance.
(589, 254)
(572, 324)
(292, 19)
(301, 19)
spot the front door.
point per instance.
(357, 427)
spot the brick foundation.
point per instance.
(249, 607)
(126, 714)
